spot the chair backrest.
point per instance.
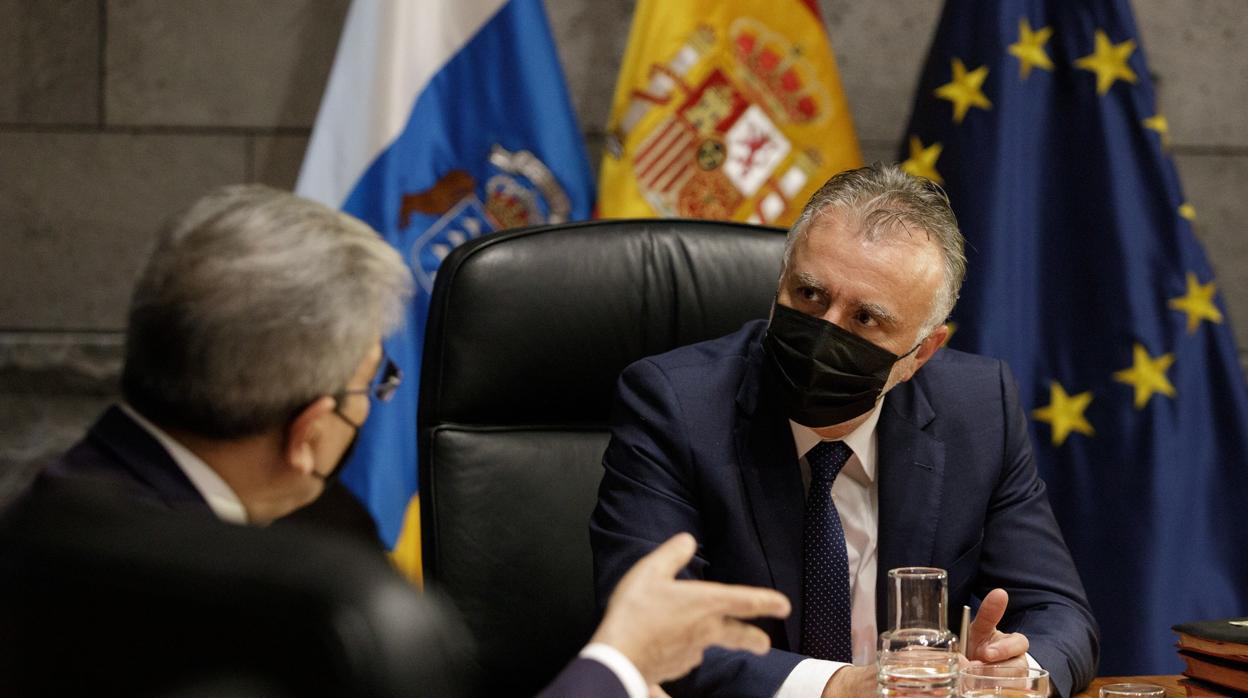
(101, 595)
(527, 333)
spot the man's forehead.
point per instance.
(909, 258)
(833, 241)
(828, 236)
(883, 226)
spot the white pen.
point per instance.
(966, 627)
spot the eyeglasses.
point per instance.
(383, 385)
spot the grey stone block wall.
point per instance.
(116, 113)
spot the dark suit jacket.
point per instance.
(117, 452)
(699, 443)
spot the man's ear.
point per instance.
(927, 349)
(931, 344)
(299, 451)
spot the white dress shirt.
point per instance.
(221, 499)
(856, 496)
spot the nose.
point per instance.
(836, 315)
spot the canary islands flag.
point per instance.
(725, 109)
(1041, 121)
(442, 121)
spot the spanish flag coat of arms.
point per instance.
(725, 109)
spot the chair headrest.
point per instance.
(533, 326)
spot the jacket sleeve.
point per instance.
(1023, 552)
(584, 677)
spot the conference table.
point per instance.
(1174, 689)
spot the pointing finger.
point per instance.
(669, 558)
(735, 635)
(990, 613)
(738, 601)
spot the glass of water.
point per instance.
(1121, 690)
(1012, 681)
(917, 663)
(918, 655)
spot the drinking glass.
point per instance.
(1120, 690)
(1012, 681)
(917, 598)
(917, 662)
(918, 655)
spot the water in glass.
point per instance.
(919, 672)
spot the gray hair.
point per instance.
(887, 201)
(254, 303)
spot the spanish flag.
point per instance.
(725, 109)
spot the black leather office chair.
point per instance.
(101, 595)
(527, 333)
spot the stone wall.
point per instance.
(115, 113)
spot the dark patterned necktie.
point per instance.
(825, 563)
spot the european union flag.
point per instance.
(443, 121)
(1041, 121)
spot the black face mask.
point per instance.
(346, 454)
(827, 375)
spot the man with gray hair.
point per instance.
(740, 441)
(253, 358)
(253, 354)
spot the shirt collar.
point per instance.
(223, 501)
(861, 440)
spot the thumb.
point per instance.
(671, 557)
(991, 610)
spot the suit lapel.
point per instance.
(911, 470)
(145, 460)
(773, 485)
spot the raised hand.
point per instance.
(986, 644)
(663, 624)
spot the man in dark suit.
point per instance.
(253, 358)
(253, 355)
(810, 454)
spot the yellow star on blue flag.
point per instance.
(1064, 413)
(965, 90)
(922, 160)
(1029, 49)
(1109, 62)
(1147, 375)
(1197, 303)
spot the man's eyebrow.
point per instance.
(879, 312)
(805, 278)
